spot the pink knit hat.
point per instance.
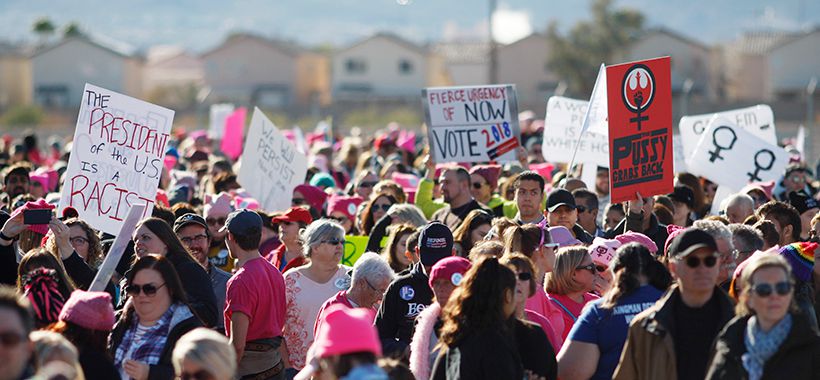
(314, 196)
(344, 204)
(91, 310)
(637, 237)
(490, 173)
(673, 230)
(603, 250)
(451, 268)
(345, 331)
(218, 205)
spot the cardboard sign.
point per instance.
(472, 124)
(271, 165)
(117, 157)
(562, 128)
(218, 114)
(759, 120)
(732, 156)
(639, 101)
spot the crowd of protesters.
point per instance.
(472, 271)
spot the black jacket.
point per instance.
(536, 352)
(633, 222)
(582, 234)
(83, 275)
(164, 369)
(453, 217)
(490, 355)
(797, 358)
(404, 299)
(96, 364)
(198, 288)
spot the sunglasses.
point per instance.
(10, 339)
(198, 375)
(297, 201)
(581, 209)
(524, 276)
(383, 207)
(216, 221)
(334, 241)
(477, 185)
(601, 268)
(694, 262)
(764, 290)
(149, 290)
(340, 219)
(590, 267)
(367, 184)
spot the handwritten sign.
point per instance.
(472, 124)
(639, 102)
(562, 126)
(116, 159)
(732, 156)
(758, 120)
(232, 138)
(271, 165)
(218, 114)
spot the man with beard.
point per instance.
(455, 188)
(193, 231)
(16, 180)
(216, 211)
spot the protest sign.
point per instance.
(759, 120)
(562, 128)
(732, 156)
(218, 114)
(472, 124)
(680, 157)
(354, 247)
(116, 159)
(271, 165)
(231, 143)
(112, 258)
(639, 101)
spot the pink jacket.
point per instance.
(420, 346)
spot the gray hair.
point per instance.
(717, 229)
(736, 199)
(408, 213)
(208, 349)
(319, 231)
(746, 238)
(371, 266)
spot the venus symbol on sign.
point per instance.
(722, 141)
(761, 155)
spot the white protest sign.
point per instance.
(732, 156)
(112, 258)
(758, 120)
(472, 124)
(271, 165)
(562, 127)
(116, 159)
(218, 114)
(597, 119)
(679, 155)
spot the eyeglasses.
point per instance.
(10, 339)
(149, 290)
(190, 239)
(764, 290)
(297, 201)
(477, 185)
(373, 288)
(367, 184)
(590, 267)
(600, 268)
(216, 221)
(383, 207)
(78, 240)
(694, 262)
(334, 241)
(524, 276)
(198, 375)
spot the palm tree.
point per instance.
(44, 28)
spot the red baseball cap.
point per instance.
(294, 214)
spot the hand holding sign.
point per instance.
(732, 156)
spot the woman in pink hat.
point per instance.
(86, 320)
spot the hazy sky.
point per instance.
(202, 24)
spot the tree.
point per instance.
(576, 57)
(73, 30)
(44, 28)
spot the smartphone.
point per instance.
(38, 216)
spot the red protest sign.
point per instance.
(639, 96)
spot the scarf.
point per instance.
(152, 343)
(760, 345)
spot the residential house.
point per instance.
(792, 64)
(466, 63)
(60, 71)
(746, 64)
(172, 76)
(15, 76)
(524, 64)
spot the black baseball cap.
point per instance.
(690, 240)
(683, 194)
(802, 201)
(187, 219)
(435, 243)
(558, 198)
(243, 222)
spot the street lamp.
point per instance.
(493, 67)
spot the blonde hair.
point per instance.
(51, 347)
(208, 349)
(560, 280)
(755, 264)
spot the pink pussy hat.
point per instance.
(637, 237)
(91, 310)
(603, 250)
